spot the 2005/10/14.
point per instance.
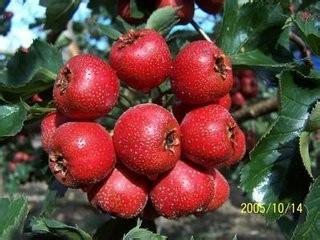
(280, 208)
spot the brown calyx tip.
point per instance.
(129, 38)
(230, 129)
(63, 79)
(171, 140)
(58, 164)
(221, 67)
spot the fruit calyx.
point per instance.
(171, 140)
(59, 164)
(64, 79)
(129, 38)
(221, 67)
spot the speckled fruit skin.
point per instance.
(147, 139)
(141, 59)
(124, 11)
(183, 191)
(239, 146)
(185, 13)
(221, 190)
(49, 125)
(122, 194)
(207, 135)
(82, 153)
(86, 88)
(201, 73)
(180, 109)
(210, 6)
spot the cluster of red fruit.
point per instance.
(150, 157)
(185, 8)
(18, 158)
(245, 88)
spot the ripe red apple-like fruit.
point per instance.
(86, 88)
(180, 109)
(238, 100)
(249, 87)
(221, 191)
(183, 191)
(201, 73)
(239, 146)
(207, 135)
(141, 59)
(122, 194)
(185, 11)
(124, 11)
(147, 139)
(210, 6)
(49, 125)
(82, 153)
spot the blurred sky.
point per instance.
(25, 13)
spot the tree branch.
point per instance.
(200, 30)
(302, 46)
(257, 109)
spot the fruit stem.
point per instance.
(127, 99)
(201, 31)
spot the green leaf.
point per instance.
(287, 226)
(31, 72)
(13, 213)
(314, 119)
(270, 175)
(142, 234)
(49, 227)
(163, 19)
(304, 151)
(310, 33)
(59, 12)
(109, 31)
(245, 27)
(256, 58)
(309, 226)
(12, 117)
(135, 12)
(109, 6)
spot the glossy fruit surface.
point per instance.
(82, 153)
(86, 88)
(122, 194)
(185, 11)
(147, 139)
(207, 135)
(141, 59)
(201, 73)
(49, 125)
(183, 191)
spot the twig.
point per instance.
(200, 30)
(257, 109)
(302, 46)
(53, 36)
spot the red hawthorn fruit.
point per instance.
(49, 125)
(201, 73)
(239, 146)
(180, 109)
(125, 12)
(183, 191)
(246, 73)
(82, 153)
(86, 88)
(186, 11)
(147, 139)
(249, 87)
(210, 6)
(122, 194)
(207, 135)
(141, 59)
(20, 157)
(221, 191)
(238, 100)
